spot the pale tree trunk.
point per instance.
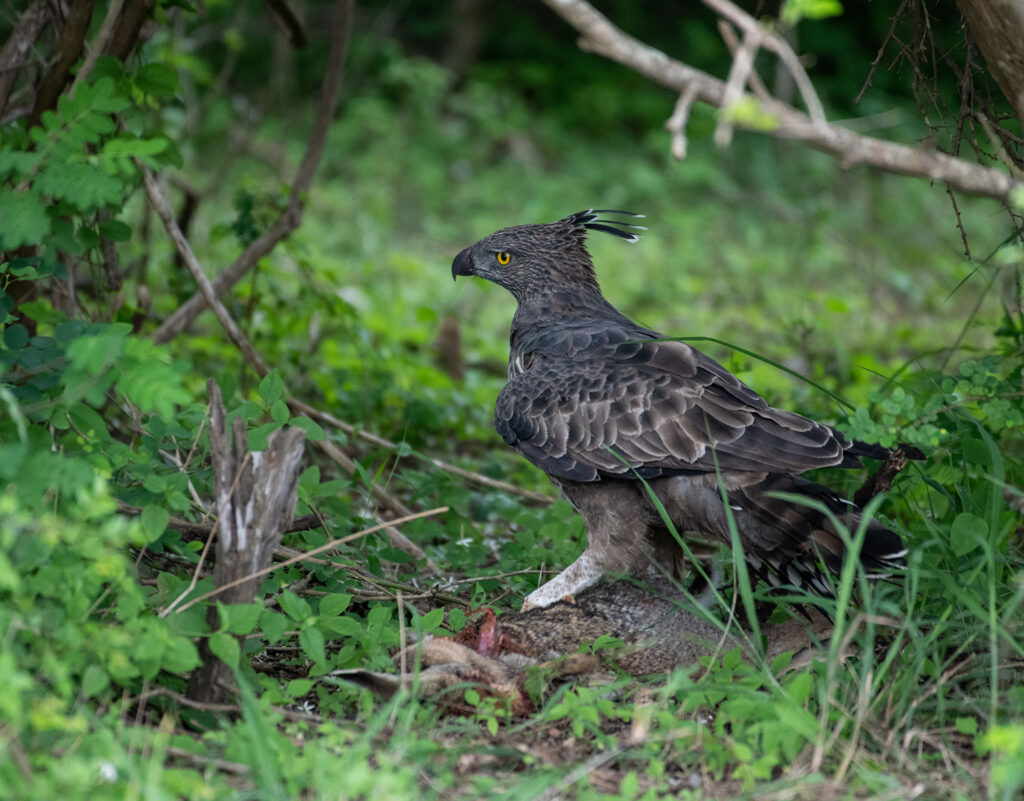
(998, 28)
(256, 494)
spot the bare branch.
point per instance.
(163, 211)
(676, 124)
(100, 43)
(385, 500)
(16, 49)
(602, 37)
(129, 26)
(728, 34)
(772, 41)
(69, 47)
(476, 478)
(291, 218)
(304, 556)
(739, 73)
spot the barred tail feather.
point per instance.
(789, 543)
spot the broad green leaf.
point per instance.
(273, 625)
(312, 641)
(456, 619)
(334, 604)
(967, 725)
(225, 647)
(88, 421)
(94, 681)
(431, 620)
(967, 533)
(271, 388)
(115, 230)
(732, 659)
(240, 618)
(342, 625)
(295, 607)
(799, 687)
(298, 687)
(15, 336)
(314, 432)
(157, 79)
(23, 219)
(154, 521)
(258, 438)
(182, 656)
(279, 412)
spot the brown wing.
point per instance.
(654, 408)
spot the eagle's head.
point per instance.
(529, 259)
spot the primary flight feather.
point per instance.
(599, 402)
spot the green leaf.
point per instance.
(81, 184)
(154, 521)
(629, 788)
(342, 626)
(23, 219)
(273, 624)
(157, 79)
(17, 162)
(115, 230)
(457, 620)
(312, 641)
(258, 438)
(15, 336)
(296, 688)
(94, 681)
(334, 604)
(88, 421)
(182, 656)
(295, 607)
(781, 662)
(225, 647)
(279, 412)
(314, 432)
(271, 388)
(795, 10)
(240, 618)
(967, 725)
(967, 533)
(799, 687)
(431, 620)
(732, 659)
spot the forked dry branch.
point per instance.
(598, 35)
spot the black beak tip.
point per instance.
(462, 264)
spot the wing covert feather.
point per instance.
(657, 408)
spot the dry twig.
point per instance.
(99, 43)
(476, 478)
(306, 554)
(291, 218)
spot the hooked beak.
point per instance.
(463, 264)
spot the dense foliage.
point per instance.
(768, 256)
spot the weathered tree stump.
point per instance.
(256, 494)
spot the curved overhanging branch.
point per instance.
(600, 36)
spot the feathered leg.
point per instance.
(617, 522)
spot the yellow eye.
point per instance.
(504, 258)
